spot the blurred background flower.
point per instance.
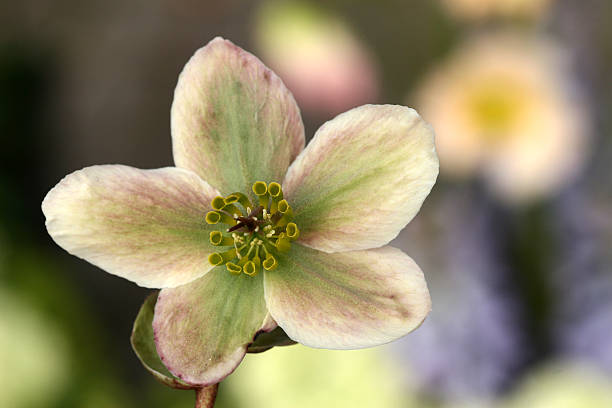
(562, 385)
(360, 378)
(522, 105)
(33, 356)
(479, 9)
(503, 107)
(317, 55)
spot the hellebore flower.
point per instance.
(238, 254)
(503, 109)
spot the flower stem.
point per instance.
(206, 396)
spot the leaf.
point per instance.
(265, 341)
(143, 344)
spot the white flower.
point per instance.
(502, 106)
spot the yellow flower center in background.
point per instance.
(495, 109)
(255, 233)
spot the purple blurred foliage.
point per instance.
(582, 319)
(470, 346)
(583, 281)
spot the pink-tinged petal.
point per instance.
(143, 225)
(362, 178)
(347, 300)
(233, 120)
(202, 329)
(143, 344)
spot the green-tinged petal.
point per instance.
(233, 120)
(346, 300)
(202, 329)
(143, 344)
(265, 341)
(143, 225)
(362, 178)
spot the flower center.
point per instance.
(256, 233)
(496, 109)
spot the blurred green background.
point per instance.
(515, 239)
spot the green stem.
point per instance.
(206, 396)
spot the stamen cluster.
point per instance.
(254, 232)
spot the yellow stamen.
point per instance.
(217, 239)
(266, 225)
(219, 258)
(213, 217)
(233, 268)
(292, 231)
(287, 213)
(241, 198)
(251, 268)
(270, 263)
(283, 244)
(276, 192)
(260, 189)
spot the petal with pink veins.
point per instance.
(202, 329)
(347, 300)
(362, 178)
(233, 120)
(146, 226)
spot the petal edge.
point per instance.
(202, 329)
(347, 300)
(233, 120)
(362, 178)
(142, 225)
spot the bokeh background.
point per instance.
(515, 238)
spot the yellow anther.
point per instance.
(292, 231)
(283, 206)
(215, 259)
(276, 192)
(266, 225)
(218, 203)
(217, 239)
(219, 258)
(233, 268)
(251, 268)
(213, 217)
(260, 189)
(270, 263)
(241, 198)
(230, 199)
(287, 213)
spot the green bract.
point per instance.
(243, 261)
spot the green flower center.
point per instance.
(255, 234)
